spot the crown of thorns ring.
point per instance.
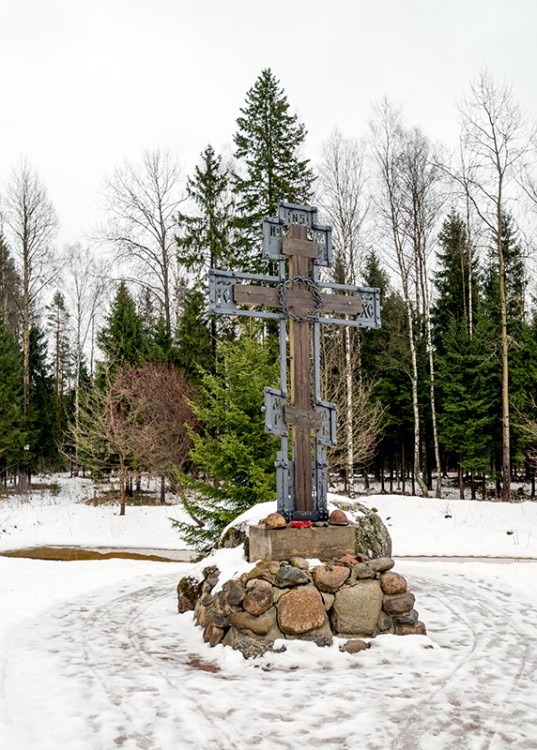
(314, 291)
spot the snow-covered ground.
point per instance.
(93, 655)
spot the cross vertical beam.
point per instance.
(299, 339)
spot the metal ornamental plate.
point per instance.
(275, 228)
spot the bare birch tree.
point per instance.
(419, 177)
(142, 202)
(87, 282)
(361, 419)
(387, 146)
(343, 200)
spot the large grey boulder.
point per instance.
(372, 538)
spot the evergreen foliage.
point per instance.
(10, 287)
(196, 346)
(205, 238)
(452, 280)
(11, 433)
(267, 147)
(43, 436)
(233, 457)
(122, 338)
(468, 382)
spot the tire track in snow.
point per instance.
(139, 677)
(466, 707)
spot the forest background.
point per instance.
(109, 361)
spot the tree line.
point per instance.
(128, 372)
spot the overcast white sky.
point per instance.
(85, 83)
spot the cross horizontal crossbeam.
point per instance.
(228, 295)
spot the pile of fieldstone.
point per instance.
(351, 598)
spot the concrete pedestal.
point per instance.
(325, 542)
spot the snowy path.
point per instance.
(120, 669)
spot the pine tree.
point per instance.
(122, 338)
(233, 452)
(267, 148)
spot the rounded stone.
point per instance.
(259, 625)
(399, 605)
(354, 645)
(275, 521)
(385, 623)
(287, 575)
(361, 571)
(338, 518)
(235, 593)
(258, 599)
(393, 583)
(301, 610)
(356, 609)
(299, 562)
(213, 634)
(418, 628)
(347, 560)
(380, 564)
(330, 579)
(371, 535)
(409, 619)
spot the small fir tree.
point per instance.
(196, 345)
(122, 338)
(232, 456)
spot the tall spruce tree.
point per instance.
(468, 419)
(466, 379)
(205, 241)
(270, 168)
(456, 280)
(520, 340)
(58, 322)
(43, 437)
(205, 237)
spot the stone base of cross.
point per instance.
(301, 303)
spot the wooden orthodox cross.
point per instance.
(297, 298)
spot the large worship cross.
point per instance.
(296, 296)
